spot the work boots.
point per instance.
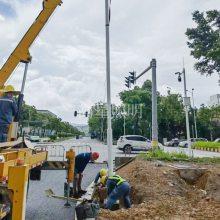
(80, 191)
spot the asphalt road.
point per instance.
(41, 207)
(196, 153)
(103, 150)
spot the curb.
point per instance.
(88, 197)
(208, 149)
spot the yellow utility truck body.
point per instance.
(18, 158)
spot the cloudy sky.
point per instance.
(67, 72)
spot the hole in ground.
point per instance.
(192, 176)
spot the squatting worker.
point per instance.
(81, 161)
(100, 190)
(118, 188)
(101, 175)
(8, 109)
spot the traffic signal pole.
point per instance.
(109, 122)
(154, 126)
(154, 105)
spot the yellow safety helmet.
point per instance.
(103, 180)
(9, 88)
(103, 172)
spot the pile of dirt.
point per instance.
(159, 192)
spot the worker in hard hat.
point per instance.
(101, 176)
(118, 188)
(81, 161)
(8, 109)
(100, 190)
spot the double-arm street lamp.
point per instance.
(186, 102)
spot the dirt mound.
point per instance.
(159, 192)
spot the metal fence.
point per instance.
(57, 152)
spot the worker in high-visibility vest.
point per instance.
(118, 188)
(101, 176)
(100, 190)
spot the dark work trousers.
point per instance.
(119, 192)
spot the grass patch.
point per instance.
(166, 156)
(213, 145)
(162, 155)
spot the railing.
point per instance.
(57, 152)
(82, 148)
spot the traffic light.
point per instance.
(132, 77)
(86, 114)
(75, 113)
(127, 82)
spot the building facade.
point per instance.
(214, 100)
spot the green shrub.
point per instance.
(204, 144)
(53, 137)
(162, 155)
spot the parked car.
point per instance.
(174, 142)
(129, 143)
(185, 144)
(217, 140)
(33, 138)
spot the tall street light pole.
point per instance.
(186, 102)
(109, 121)
(124, 125)
(194, 112)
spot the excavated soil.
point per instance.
(158, 192)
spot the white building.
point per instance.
(214, 100)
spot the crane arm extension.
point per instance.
(21, 52)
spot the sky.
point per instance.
(68, 68)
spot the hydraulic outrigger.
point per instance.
(18, 158)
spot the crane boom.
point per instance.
(21, 52)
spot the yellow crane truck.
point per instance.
(17, 157)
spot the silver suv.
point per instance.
(129, 143)
(185, 143)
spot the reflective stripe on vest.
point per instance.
(117, 177)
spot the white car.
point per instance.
(217, 140)
(185, 143)
(129, 143)
(33, 138)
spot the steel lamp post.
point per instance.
(186, 102)
(194, 112)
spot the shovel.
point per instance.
(50, 193)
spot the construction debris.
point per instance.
(50, 193)
(164, 192)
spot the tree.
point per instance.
(171, 117)
(209, 121)
(44, 124)
(204, 40)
